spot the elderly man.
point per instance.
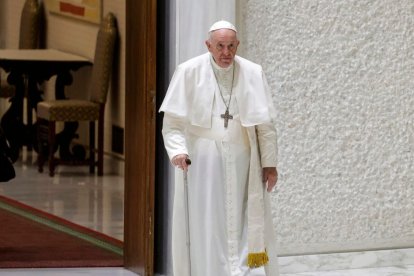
(219, 113)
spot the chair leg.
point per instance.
(92, 163)
(52, 141)
(100, 144)
(40, 139)
(29, 122)
(30, 89)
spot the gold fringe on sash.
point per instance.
(257, 259)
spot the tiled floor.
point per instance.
(379, 271)
(68, 272)
(75, 195)
(97, 203)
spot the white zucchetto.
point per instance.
(222, 24)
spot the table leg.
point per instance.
(65, 137)
(33, 96)
(12, 120)
(62, 80)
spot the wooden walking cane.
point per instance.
(187, 216)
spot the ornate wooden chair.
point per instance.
(73, 110)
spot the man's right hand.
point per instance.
(180, 162)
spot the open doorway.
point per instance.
(140, 73)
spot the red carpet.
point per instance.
(30, 238)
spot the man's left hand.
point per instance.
(270, 176)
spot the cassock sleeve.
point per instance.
(173, 134)
(267, 137)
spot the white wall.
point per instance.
(3, 22)
(11, 18)
(342, 74)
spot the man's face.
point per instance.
(223, 46)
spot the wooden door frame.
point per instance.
(140, 122)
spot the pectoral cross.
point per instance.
(226, 116)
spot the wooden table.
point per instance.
(27, 69)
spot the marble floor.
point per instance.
(380, 271)
(391, 262)
(97, 203)
(75, 195)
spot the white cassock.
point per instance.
(229, 208)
